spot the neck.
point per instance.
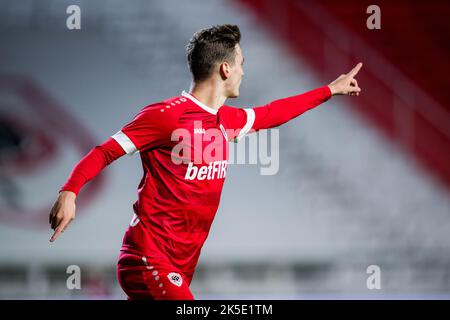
(208, 93)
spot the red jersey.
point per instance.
(183, 145)
(180, 190)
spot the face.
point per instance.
(236, 72)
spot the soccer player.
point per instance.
(183, 145)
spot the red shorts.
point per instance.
(142, 277)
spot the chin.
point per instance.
(234, 95)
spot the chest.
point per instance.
(199, 140)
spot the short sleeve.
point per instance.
(237, 121)
(150, 128)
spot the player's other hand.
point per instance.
(62, 213)
(346, 83)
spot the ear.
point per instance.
(225, 70)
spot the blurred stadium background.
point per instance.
(362, 181)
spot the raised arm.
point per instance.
(280, 111)
(242, 121)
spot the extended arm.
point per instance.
(275, 113)
(283, 110)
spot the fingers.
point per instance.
(56, 220)
(59, 223)
(52, 214)
(60, 228)
(354, 89)
(61, 215)
(56, 233)
(355, 70)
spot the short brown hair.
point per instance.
(210, 46)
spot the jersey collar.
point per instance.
(201, 105)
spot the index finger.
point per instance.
(355, 70)
(57, 232)
(51, 216)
